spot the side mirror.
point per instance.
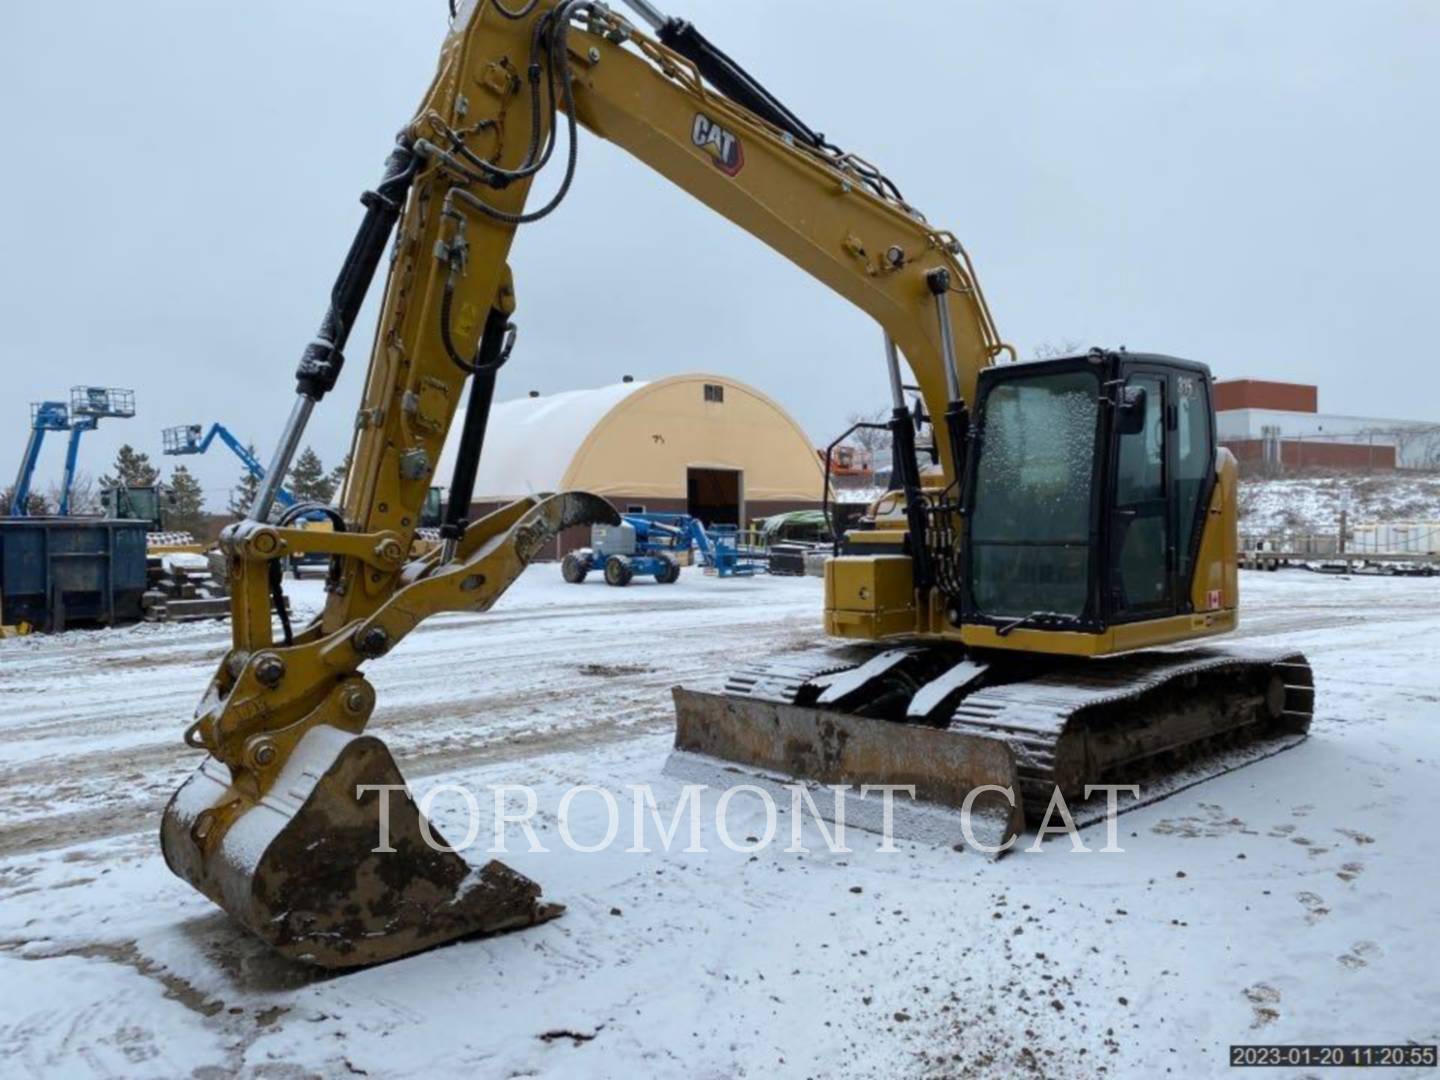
(1132, 410)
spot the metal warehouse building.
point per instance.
(699, 444)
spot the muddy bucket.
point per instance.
(332, 869)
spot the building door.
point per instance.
(713, 495)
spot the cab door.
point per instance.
(1142, 528)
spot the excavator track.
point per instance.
(1141, 718)
(1162, 720)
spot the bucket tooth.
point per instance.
(305, 869)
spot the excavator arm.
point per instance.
(283, 716)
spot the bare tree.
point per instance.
(84, 495)
(875, 440)
(1049, 350)
(1417, 446)
(84, 499)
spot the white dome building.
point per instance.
(699, 444)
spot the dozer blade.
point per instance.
(301, 869)
(777, 743)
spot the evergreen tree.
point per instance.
(243, 494)
(338, 475)
(186, 511)
(132, 469)
(308, 481)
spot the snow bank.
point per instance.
(1312, 504)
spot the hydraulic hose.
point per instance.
(495, 345)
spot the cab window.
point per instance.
(1030, 524)
(1194, 460)
(1140, 519)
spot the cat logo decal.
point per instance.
(723, 146)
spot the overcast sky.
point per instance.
(1251, 185)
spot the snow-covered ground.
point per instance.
(1293, 901)
(1312, 504)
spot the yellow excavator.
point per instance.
(1001, 611)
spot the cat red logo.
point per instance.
(723, 147)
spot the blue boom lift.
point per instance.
(723, 552)
(645, 544)
(650, 545)
(186, 439)
(88, 406)
(44, 416)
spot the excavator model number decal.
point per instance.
(723, 146)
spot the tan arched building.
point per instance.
(698, 444)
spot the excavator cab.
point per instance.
(1096, 518)
(1087, 502)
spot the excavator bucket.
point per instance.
(333, 864)
(336, 866)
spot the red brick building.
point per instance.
(1279, 426)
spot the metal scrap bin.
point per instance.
(57, 571)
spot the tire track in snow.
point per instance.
(460, 691)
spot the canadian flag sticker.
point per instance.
(1214, 601)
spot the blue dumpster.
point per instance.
(59, 571)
